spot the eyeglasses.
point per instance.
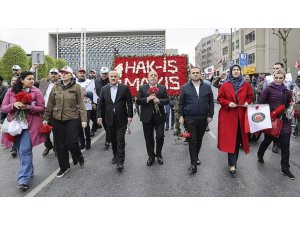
(195, 73)
(15, 70)
(280, 78)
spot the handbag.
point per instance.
(276, 127)
(4, 127)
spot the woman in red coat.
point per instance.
(234, 96)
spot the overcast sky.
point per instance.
(184, 39)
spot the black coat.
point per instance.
(147, 109)
(123, 105)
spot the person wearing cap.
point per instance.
(296, 96)
(94, 104)
(16, 70)
(66, 111)
(99, 84)
(46, 85)
(115, 102)
(87, 87)
(234, 97)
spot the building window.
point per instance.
(208, 42)
(209, 49)
(237, 44)
(204, 44)
(225, 50)
(203, 51)
(209, 54)
(249, 37)
(232, 46)
(251, 58)
(237, 61)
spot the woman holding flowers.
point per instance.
(24, 102)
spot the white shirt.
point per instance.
(197, 87)
(87, 86)
(46, 96)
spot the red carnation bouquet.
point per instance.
(24, 97)
(154, 91)
(45, 129)
(184, 134)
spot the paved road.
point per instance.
(100, 177)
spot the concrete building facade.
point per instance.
(96, 49)
(4, 46)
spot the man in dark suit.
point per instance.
(153, 117)
(115, 105)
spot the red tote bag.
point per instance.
(276, 127)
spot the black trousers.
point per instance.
(117, 134)
(107, 134)
(66, 139)
(284, 140)
(148, 129)
(232, 158)
(94, 120)
(86, 131)
(196, 128)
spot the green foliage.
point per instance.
(60, 63)
(177, 129)
(13, 56)
(51, 62)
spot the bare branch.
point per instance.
(274, 32)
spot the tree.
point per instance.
(14, 55)
(60, 63)
(283, 34)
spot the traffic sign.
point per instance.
(37, 57)
(243, 59)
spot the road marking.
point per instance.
(53, 175)
(212, 135)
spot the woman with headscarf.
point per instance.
(234, 97)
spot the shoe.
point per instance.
(88, 145)
(150, 161)
(193, 169)
(160, 160)
(294, 134)
(120, 166)
(288, 174)
(46, 151)
(113, 161)
(198, 162)
(13, 152)
(23, 187)
(275, 148)
(172, 127)
(261, 161)
(81, 161)
(167, 128)
(62, 172)
(232, 170)
(92, 134)
(207, 129)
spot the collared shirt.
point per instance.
(113, 92)
(197, 86)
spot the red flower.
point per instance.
(45, 129)
(185, 135)
(10, 137)
(153, 90)
(24, 97)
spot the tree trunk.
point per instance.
(285, 54)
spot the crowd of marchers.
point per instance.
(76, 105)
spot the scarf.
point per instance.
(237, 82)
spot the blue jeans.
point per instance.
(24, 147)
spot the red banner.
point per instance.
(171, 70)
